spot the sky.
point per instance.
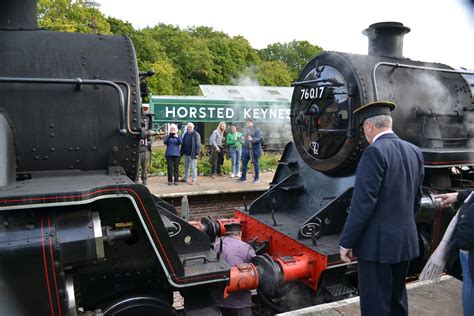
(441, 30)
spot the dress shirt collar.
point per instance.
(380, 134)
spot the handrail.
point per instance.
(78, 82)
(398, 65)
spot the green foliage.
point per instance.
(119, 27)
(70, 16)
(274, 73)
(147, 49)
(158, 161)
(268, 162)
(184, 58)
(164, 82)
(295, 54)
(188, 57)
(229, 56)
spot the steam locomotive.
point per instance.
(78, 236)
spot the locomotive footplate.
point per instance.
(199, 264)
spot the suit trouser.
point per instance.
(245, 311)
(382, 288)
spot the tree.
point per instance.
(190, 56)
(165, 80)
(185, 58)
(67, 16)
(295, 54)
(274, 73)
(119, 27)
(230, 55)
(148, 50)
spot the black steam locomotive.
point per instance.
(78, 236)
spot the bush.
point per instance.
(157, 167)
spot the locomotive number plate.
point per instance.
(312, 93)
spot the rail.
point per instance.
(398, 65)
(78, 82)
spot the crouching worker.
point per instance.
(235, 251)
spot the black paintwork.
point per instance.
(310, 207)
(69, 135)
(60, 126)
(69, 212)
(432, 109)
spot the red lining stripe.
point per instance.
(52, 266)
(46, 269)
(448, 162)
(115, 190)
(161, 246)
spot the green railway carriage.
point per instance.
(273, 117)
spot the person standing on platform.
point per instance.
(235, 251)
(252, 150)
(144, 150)
(380, 228)
(217, 141)
(173, 142)
(190, 148)
(234, 141)
(464, 240)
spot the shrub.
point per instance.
(158, 167)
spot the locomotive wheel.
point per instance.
(139, 306)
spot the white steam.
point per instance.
(276, 133)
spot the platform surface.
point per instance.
(440, 298)
(206, 185)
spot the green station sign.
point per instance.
(210, 110)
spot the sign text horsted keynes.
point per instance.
(209, 110)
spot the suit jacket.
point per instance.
(380, 226)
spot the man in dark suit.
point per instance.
(380, 229)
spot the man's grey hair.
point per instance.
(190, 125)
(381, 121)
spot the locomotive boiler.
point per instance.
(78, 236)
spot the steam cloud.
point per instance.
(276, 133)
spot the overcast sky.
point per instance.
(441, 30)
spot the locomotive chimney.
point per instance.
(386, 39)
(18, 14)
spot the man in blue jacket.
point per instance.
(380, 229)
(252, 150)
(190, 148)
